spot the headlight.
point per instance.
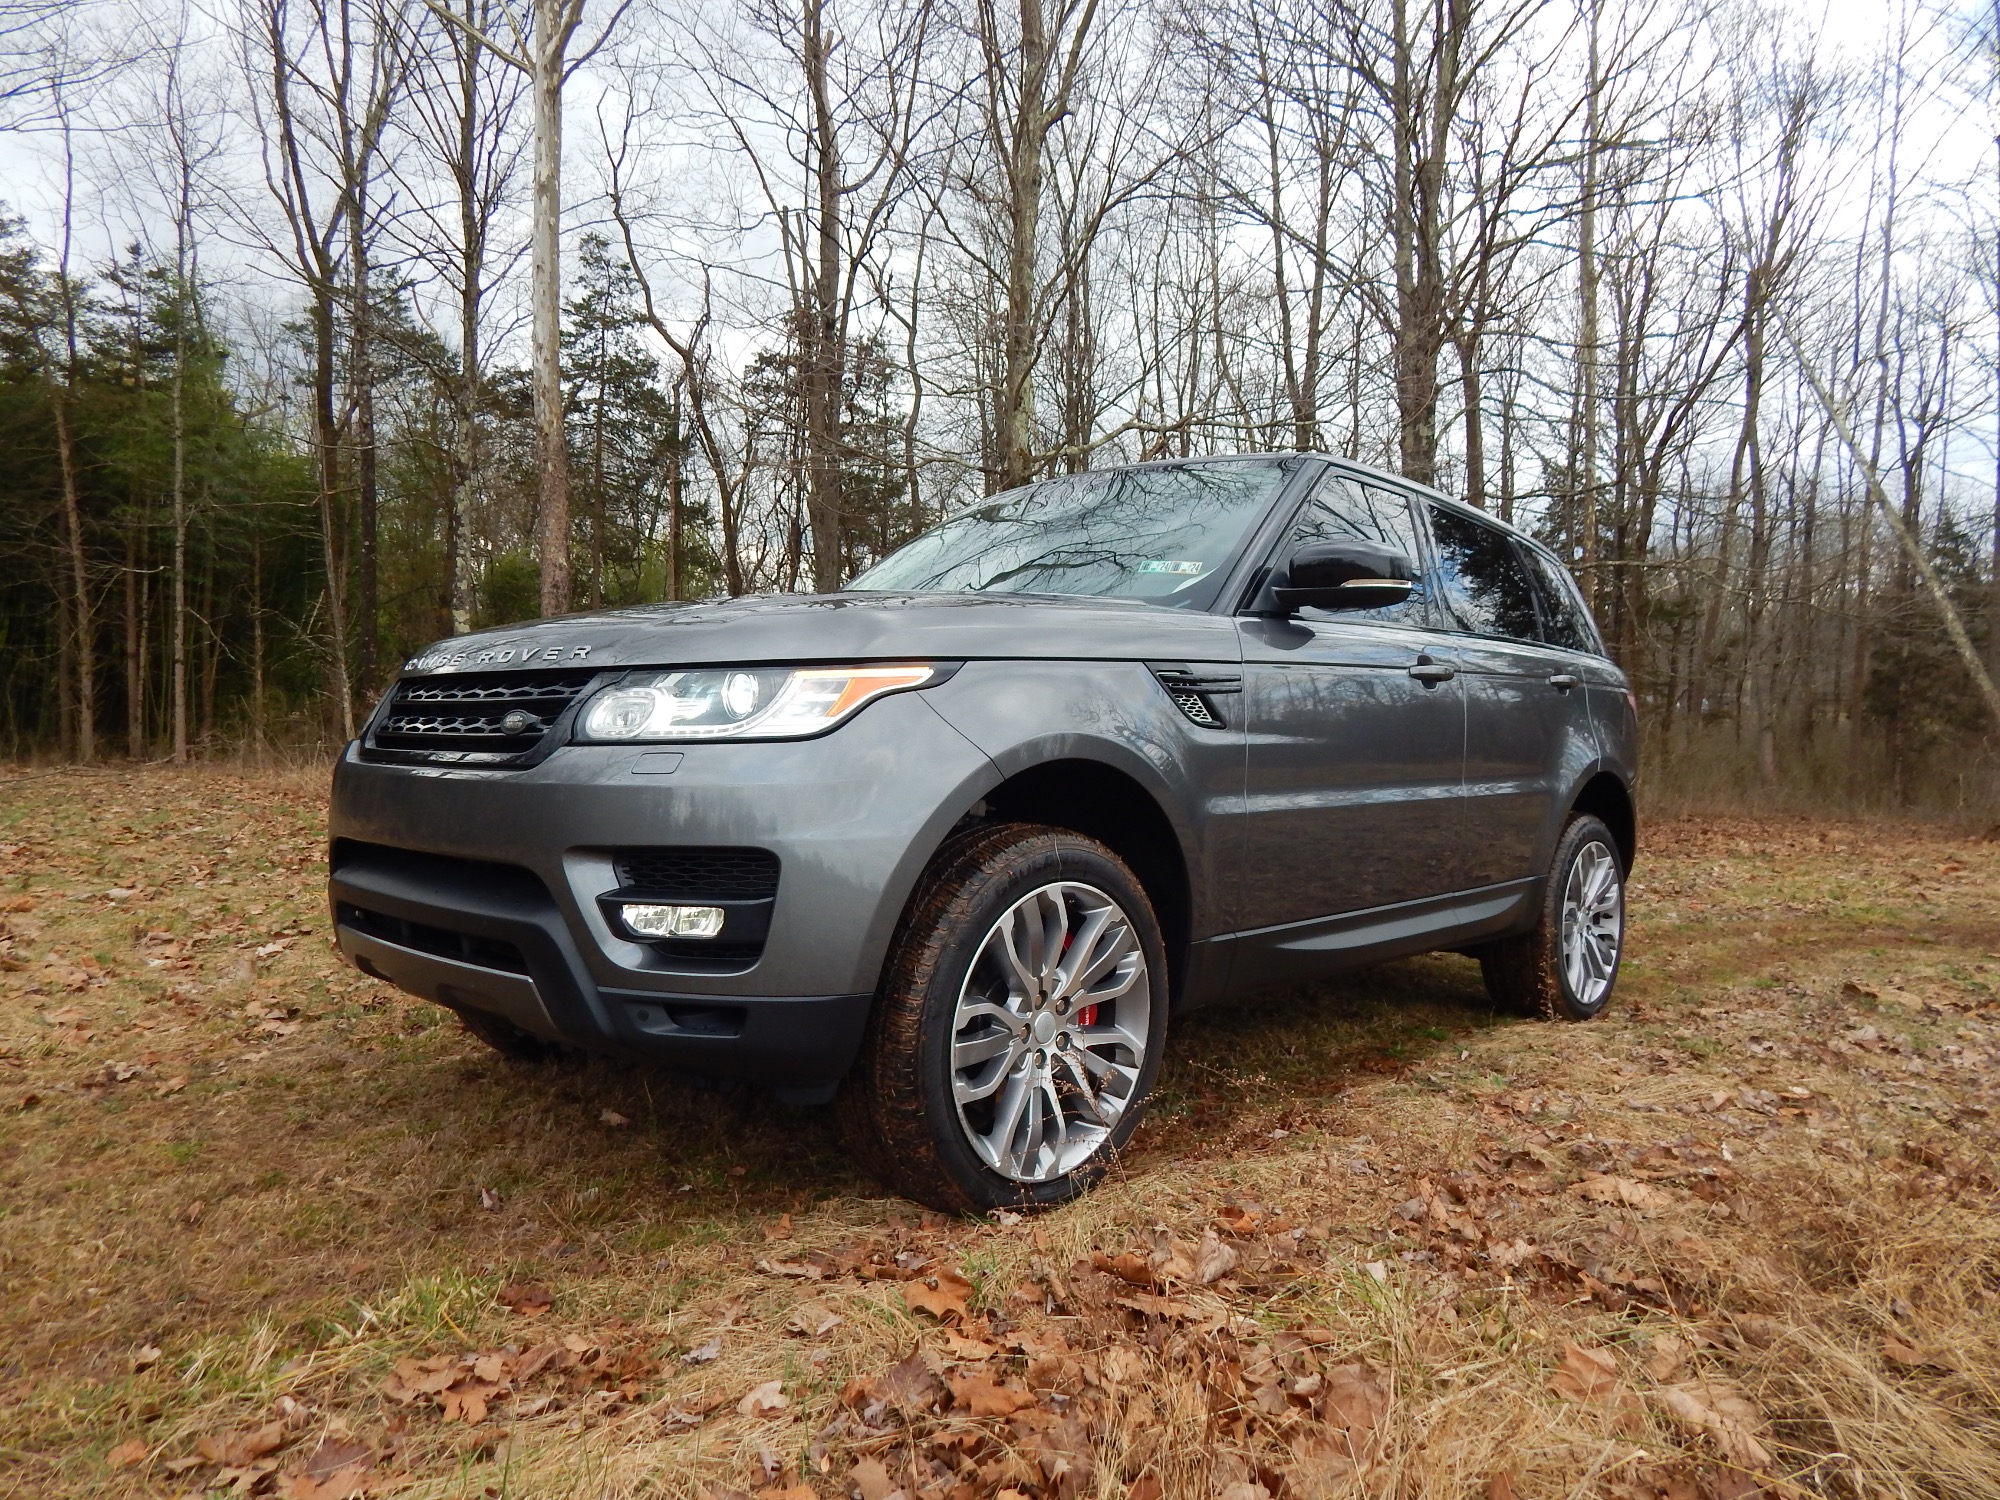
(739, 703)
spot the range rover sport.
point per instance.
(958, 842)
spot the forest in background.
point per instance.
(330, 327)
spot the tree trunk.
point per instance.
(81, 614)
(362, 377)
(1014, 416)
(177, 628)
(82, 627)
(326, 440)
(822, 337)
(1586, 342)
(135, 666)
(257, 707)
(545, 275)
(1475, 422)
(1421, 130)
(674, 507)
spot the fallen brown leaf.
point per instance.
(1722, 1414)
(1598, 1188)
(128, 1453)
(1668, 1355)
(873, 1480)
(958, 1346)
(1354, 1407)
(763, 1400)
(812, 1319)
(942, 1297)
(1213, 1259)
(529, 1299)
(1585, 1374)
(980, 1396)
(1131, 1268)
(235, 1450)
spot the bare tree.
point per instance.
(329, 78)
(540, 50)
(462, 108)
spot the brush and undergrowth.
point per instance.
(269, 1228)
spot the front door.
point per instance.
(1356, 732)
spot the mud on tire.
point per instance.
(973, 1091)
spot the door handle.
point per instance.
(1433, 672)
(1562, 682)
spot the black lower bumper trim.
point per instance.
(443, 928)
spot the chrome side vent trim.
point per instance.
(1195, 689)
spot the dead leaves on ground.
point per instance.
(466, 1388)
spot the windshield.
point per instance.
(1159, 534)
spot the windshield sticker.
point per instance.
(1156, 565)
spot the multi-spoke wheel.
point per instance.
(1565, 968)
(1049, 1035)
(1019, 1024)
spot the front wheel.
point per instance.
(1565, 969)
(1019, 1024)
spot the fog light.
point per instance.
(674, 921)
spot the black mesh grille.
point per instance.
(700, 874)
(503, 713)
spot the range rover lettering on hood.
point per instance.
(497, 656)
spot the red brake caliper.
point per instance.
(1087, 1016)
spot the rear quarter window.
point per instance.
(1566, 619)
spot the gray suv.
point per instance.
(958, 842)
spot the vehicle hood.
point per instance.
(841, 627)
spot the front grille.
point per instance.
(697, 874)
(466, 947)
(498, 713)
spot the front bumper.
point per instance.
(479, 889)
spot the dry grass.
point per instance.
(239, 1185)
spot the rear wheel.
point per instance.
(1566, 968)
(1019, 1025)
(507, 1039)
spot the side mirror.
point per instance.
(1344, 575)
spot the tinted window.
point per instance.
(1565, 621)
(1343, 508)
(1161, 534)
(1482, 577)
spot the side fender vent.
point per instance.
(1195, 689)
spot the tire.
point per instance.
(985, 1083)
(1567, 967)
(507, 1039)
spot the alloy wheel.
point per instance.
(1050, 1032)
(1593, 923)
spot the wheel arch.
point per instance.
(1606, 797)
(1103, 802)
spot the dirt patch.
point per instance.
(267, 1226)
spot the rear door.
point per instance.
(1356, 731)
(1521, 707)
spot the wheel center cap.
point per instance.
(1044, 1028)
